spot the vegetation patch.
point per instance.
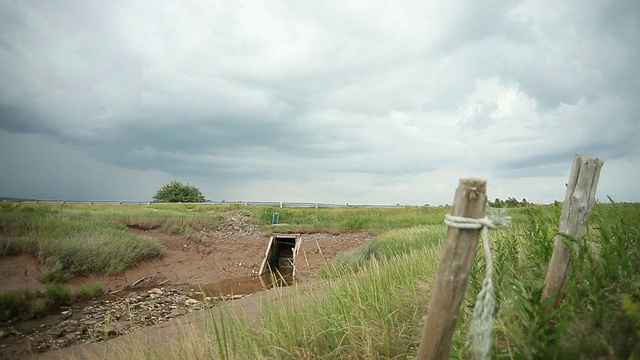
(70, 244)
(367, 315)
(13, 303)
(375, 220)
(91, 291)
(55, 274)
(58, 294)
(376, 308)
(386, 246)
(373, 300)
(25, 304)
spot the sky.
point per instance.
(359, 102)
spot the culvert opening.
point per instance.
(280, 257)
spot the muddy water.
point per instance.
(247, 284)
(243, 285)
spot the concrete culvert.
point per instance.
(281, 254)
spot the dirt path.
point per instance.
(228, 256)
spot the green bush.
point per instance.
(38, 308)
(77, 246)
(13, 303)
(55, 274)
(175, 191)
(58, 294)
(591, 321)
(91, 291)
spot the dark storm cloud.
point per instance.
(415, 94)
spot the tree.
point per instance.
(511, 202)
(175, 191)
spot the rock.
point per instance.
(109, 319)
(191, 302)
(56, 333)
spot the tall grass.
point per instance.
(369, 219)
(385, 246)
(372, 314)
(79, 238)
(26, 304)
(591, 322)
(372, 302)
(68, 243)
(377, 307)
(81, 246)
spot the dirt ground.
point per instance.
(229, 254)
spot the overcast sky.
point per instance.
(321, 101)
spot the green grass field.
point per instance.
(371, 303)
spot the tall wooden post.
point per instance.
(453, 276)
(578, 203)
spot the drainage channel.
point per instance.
(245, 285)
(118, 314)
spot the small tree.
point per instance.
(175, 191)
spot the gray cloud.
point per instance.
(384, 102)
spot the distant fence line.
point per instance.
(280, 204)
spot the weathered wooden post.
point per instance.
(576, 209)
(453, 276)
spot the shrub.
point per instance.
(56, 274)
(175, 191)
(91, 291)
(58, 294)
(13, 303)
(38, 308)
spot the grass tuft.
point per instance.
(390, 244)
(55, 274)
(72, 245)
(58, 294)
(38, 308)
(91, 291)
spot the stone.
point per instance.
(56, 333)
(109, 319)
(191, 302)
(66, 314)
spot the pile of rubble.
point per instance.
(235, 223)
(105, 319)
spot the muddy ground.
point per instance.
(223, 261)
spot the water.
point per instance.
(248, 284)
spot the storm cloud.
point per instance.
(333, 101)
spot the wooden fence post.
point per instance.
(453, 276)
(576, 209)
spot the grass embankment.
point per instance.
(373, 302)
(68, 243)
(72, 239)
(81, 238)
(374, 220)
(370, 313)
